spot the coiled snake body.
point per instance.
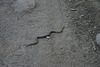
(44, 36)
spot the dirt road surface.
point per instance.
(74, 47)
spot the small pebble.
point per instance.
(60, 47)
(67, 15)
(72, 10)
(82, 15)
(48, 37)
(94, 26)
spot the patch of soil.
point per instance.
(86, 20)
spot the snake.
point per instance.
(44, 36)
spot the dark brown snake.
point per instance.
(44, 36)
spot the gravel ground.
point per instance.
(74, 47)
